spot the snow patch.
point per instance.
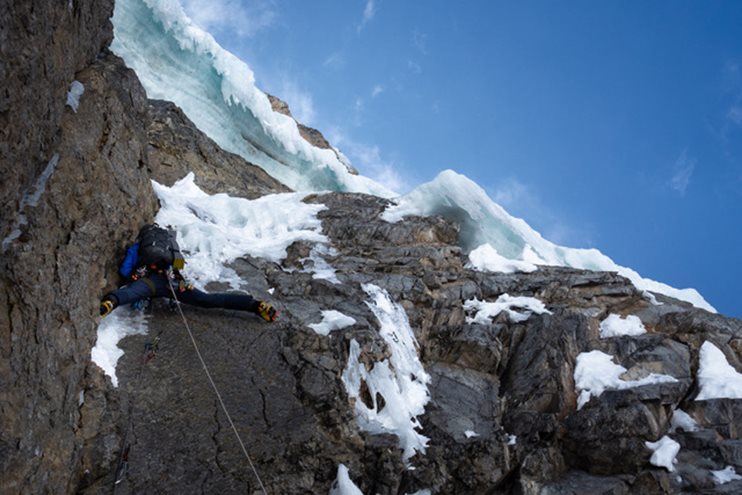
(716, 377)
(596, 372)
(616, 326)
(214, 230)
(401, 380)
(664, 452)
(725, 475)
(517, 308)
(512, 439)
(320, 267)
(343, 485)
(485, 258)
(123, 321)
(682, 420)
(332, 320)
(74, 94)
(470, 434)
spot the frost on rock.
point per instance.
(725, 475)
(486, 258)
(664, 452)
(517, 308)
(332, 320)
(74, 94)
(122, 322)
(214, 230)
(615, 326)
(400, 380)
(343, 485)
(470, 434)
(596, 372)
(717, 379)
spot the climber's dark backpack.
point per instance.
(157, 246)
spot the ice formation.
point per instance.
(74, 94)
(177, 61)
(343, 485)
(596, 372)
(682, 420)
(664, 452)
(725, 475)
(717, 379)
(486, 258)
(401, 380)
(123, 321)
(517, 308)
(615, 326)
(332, 320)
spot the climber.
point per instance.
(152, 266)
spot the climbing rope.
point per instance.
(219, 396)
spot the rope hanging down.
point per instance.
(218, 395)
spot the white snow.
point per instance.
(512, 439)
(424, 491)
(214, 230)
(343, 485)
(482, 221)
(725, 475)
(716, 377)
(596, 372)
(665, 449)
(470, 434)
(332, 320)
(123, 321)
(682, 420)
(400, 380)
(486, 258)
(615, 326)
(74, 94)
(517, 308)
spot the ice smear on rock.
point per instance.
(596, 372)
(214, 230)
(332, 320)
(74, 94)
(725, 475)
(665, 450)
(343, 485)
(400, 380)
(483, 221)
(517, 308)
(321, 268)
(177, 61)
(615, 326)
(716, 377)
(486, 258)
(123, 321)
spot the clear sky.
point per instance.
(612, 124)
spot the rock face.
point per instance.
(503, 413)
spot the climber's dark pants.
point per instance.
(155, 285)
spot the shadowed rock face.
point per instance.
(502, 415)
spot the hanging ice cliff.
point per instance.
(429, 343)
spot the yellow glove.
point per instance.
(184, 286)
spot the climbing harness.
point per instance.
(218, 395)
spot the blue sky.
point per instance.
(613, 124)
